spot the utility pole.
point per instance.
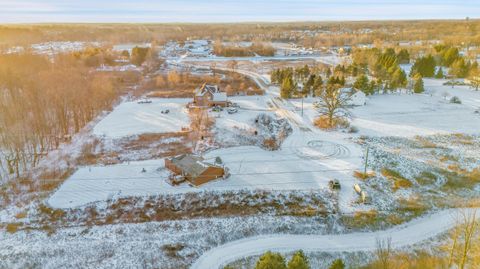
(366, 162)
(302, 105)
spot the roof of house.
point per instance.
(219, 97)
(191, 165)
(206, 88)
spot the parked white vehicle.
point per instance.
(232, 110)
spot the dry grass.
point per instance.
(362, 219)
(363, 175)
(13, 227)
(324, 123)
(398, 180)
(422, 142)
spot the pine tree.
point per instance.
(439, 73)
(299, 261)
(271, 260)
(362, 84)
(337, 264)
(399, 79)
(288, 87)
(418, 84)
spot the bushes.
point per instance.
(455, 100)
(323, 122)
(13, 227)
(337, 264)
(271, 260)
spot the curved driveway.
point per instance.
(410, 233)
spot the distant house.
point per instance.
(356, 97)
(194, 168)
(210, 95)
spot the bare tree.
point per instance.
(383, 252)
(463, 239)
(334, 104)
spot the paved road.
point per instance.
(410, 233)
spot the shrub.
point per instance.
(362, 175)
(13, 227)
(271, 260)
(323, 122)
(455, 100)
(337, 264)
(299, 261)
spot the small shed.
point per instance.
(194, 168)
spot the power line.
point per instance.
(232, 174)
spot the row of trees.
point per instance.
(383, 65)
(239, 51)
(271, 260)
(445, 56)
(44, 102)
(304, 81)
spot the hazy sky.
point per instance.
(13, 11)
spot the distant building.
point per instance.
(356, 97)
(194, 168)
(210, 95)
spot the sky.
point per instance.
(35, 11)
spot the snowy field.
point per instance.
(294, 167)
(250, 107)
(408, 115)
(131, 118)
(307, 160)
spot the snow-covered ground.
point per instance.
(408, 115)
(132, 118)
(410, 233)
(307, 159)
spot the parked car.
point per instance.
(165, 111)
(217, 109)
(334, 184)
(232, 110)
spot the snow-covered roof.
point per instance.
(206, 88)
(191, 165)
(220, 97)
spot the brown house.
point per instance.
(194, 168)
(209, 95)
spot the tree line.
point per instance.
(43, 102)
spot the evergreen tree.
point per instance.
(418, 84)
(337, 264)
(450, 56)
(362, 84)
(439, 73)
(425, 66)
(399, 79)
(299, 261)
(459, 68)
(403, 56)
(271, 260)
(288, 87)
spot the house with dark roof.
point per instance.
(194, 168)
(209, 95)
